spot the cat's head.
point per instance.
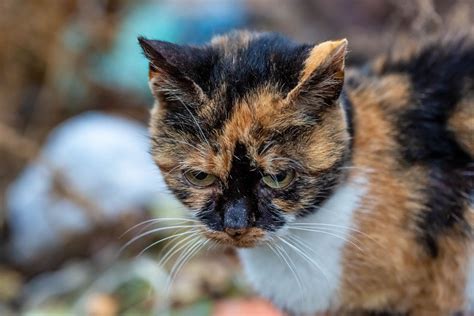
(248, 130)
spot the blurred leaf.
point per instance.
(133, 297)
(202, 308)
(10, 284)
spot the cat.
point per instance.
(344, 191)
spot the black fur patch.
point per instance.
(349, 111)
(441, 75)
(243, 188)
(268, 59)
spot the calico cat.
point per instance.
(347, 194)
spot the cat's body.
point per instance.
(410, 200)
(377, 214)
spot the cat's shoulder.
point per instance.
(426, 91)
(415, 109)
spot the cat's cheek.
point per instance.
(200, 198)
(298, 198)
(192, 198)
(286, 207)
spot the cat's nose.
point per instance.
(236, 215)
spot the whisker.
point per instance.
(266, 147)
(214, 244)
(328, 233)
(192, 251)
(182, 256)
(330, 225)
(298, 240)
(164, 239)
(195, 121)
(190, 222)
(290, 264)
(156, 230)
(304, 255)
(174, 250)
(319, 225)
(157, 220)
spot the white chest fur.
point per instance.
(469, 289)
(318, 269)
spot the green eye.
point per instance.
(280, 180)
(199, 178)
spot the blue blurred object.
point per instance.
(103, 158)
(191, 22)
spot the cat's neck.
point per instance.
(347, 107)
(346, 104)
(301, 271)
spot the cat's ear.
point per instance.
(168, 81)
(322, 78)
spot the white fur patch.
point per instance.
(469, 290)
(317, 290)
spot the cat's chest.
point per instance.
(301, 270)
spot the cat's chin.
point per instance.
(251, 238)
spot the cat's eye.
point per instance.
(199, 178)
(280, 180)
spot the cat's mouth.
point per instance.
(241, 238)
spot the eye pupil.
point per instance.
(280, 177)
(200, 175)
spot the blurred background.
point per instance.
(75, 173)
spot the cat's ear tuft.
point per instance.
(322, 77)
(167, 80)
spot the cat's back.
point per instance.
(438, 123)
(413, 119)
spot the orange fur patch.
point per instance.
(328, 142)
(461, 123)
(319, 54)
(264, 108)
(391, 269)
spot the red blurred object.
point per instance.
(238, 307)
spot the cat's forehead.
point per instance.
(248, 125)
(245, 61)
(251, 125)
